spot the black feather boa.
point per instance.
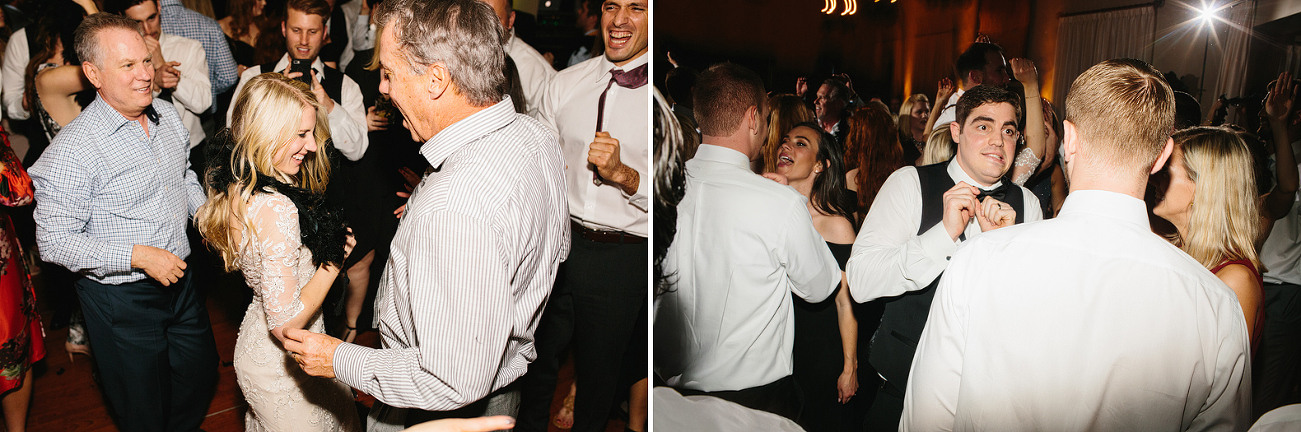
(323, 229)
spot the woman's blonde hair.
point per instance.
(265, 119)
(784, 112)
(939, 147)
(904, 120)
(1224, 217)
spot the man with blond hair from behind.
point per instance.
(1133, 334)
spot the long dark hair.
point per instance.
(829, 194)
(879, 153)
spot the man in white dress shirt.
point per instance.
(981, 64)
(478, 248)
(181, 70)
(600, 109)
(1088, 321)
(534, 70)
(744, 244)
(304, 30)
(917, 221)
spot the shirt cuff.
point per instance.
(639, 199)
(350, 364)
(937, 244)
(118, 258)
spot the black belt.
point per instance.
(604, 236)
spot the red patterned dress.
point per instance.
(21, 336)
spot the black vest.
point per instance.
(332, 81)
(895, 340)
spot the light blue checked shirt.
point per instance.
(104, 186)
(177, 20)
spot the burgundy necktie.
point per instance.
(632, 79)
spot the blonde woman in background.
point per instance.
(784, 112)
(939, 147)
(1208, 192)
(911, 123)
(260, 186)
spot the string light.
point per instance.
(851, 7)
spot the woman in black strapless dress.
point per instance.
(826, 333)
(242, 31)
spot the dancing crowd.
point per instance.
(167, 147)
(825, 262)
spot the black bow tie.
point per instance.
(998, 193)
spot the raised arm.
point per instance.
(1035, 135)
(941, 99)
(1278, 106)
(274, 223)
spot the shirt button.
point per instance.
(948, 257)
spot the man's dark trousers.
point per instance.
(600, 289)
(155, 351)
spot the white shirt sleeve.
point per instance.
(194, 91)
(12, 85)
(812, 269)
(348, 122)
(889, 258)
(248, 75)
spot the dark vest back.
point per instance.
(896, 339)
(332, 81)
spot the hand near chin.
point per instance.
(994, 214)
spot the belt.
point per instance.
(600, 236)
(891, 390)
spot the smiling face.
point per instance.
(986, 141)
(402, 86)
(290, 157)
(147, 15)
(826, 107)
(1177, 202)
(624, 26)
(125, 74)
(304, 34)
(798, 159)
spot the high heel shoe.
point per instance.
(77, 342)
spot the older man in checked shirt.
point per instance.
(114, 193)
(478, 247)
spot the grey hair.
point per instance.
(86, 38)
(464, 35)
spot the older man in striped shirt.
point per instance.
(477, 249)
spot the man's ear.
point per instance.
(283, 32)
(1165, 155)
(92, 74)
(439, 80)
(510, 22)
(975, 77)
(1070, 141)
(955, 130)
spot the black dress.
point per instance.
(242, 52)
(818, 355)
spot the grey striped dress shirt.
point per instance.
(470, 268)
(104, 186)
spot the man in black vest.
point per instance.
(305, 31)
(917, 221)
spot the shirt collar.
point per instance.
(607, 65)
(723, 155)
(467, 130)
(100, 113)
(163, 3)
(1107, 204)
(960, 175)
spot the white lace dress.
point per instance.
(281, 397)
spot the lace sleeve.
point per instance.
(1026, 158)
(277, 239)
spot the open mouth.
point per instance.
(619, 38)
(996, 157)
(298, 158)
(302, 51)
(784, 160)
